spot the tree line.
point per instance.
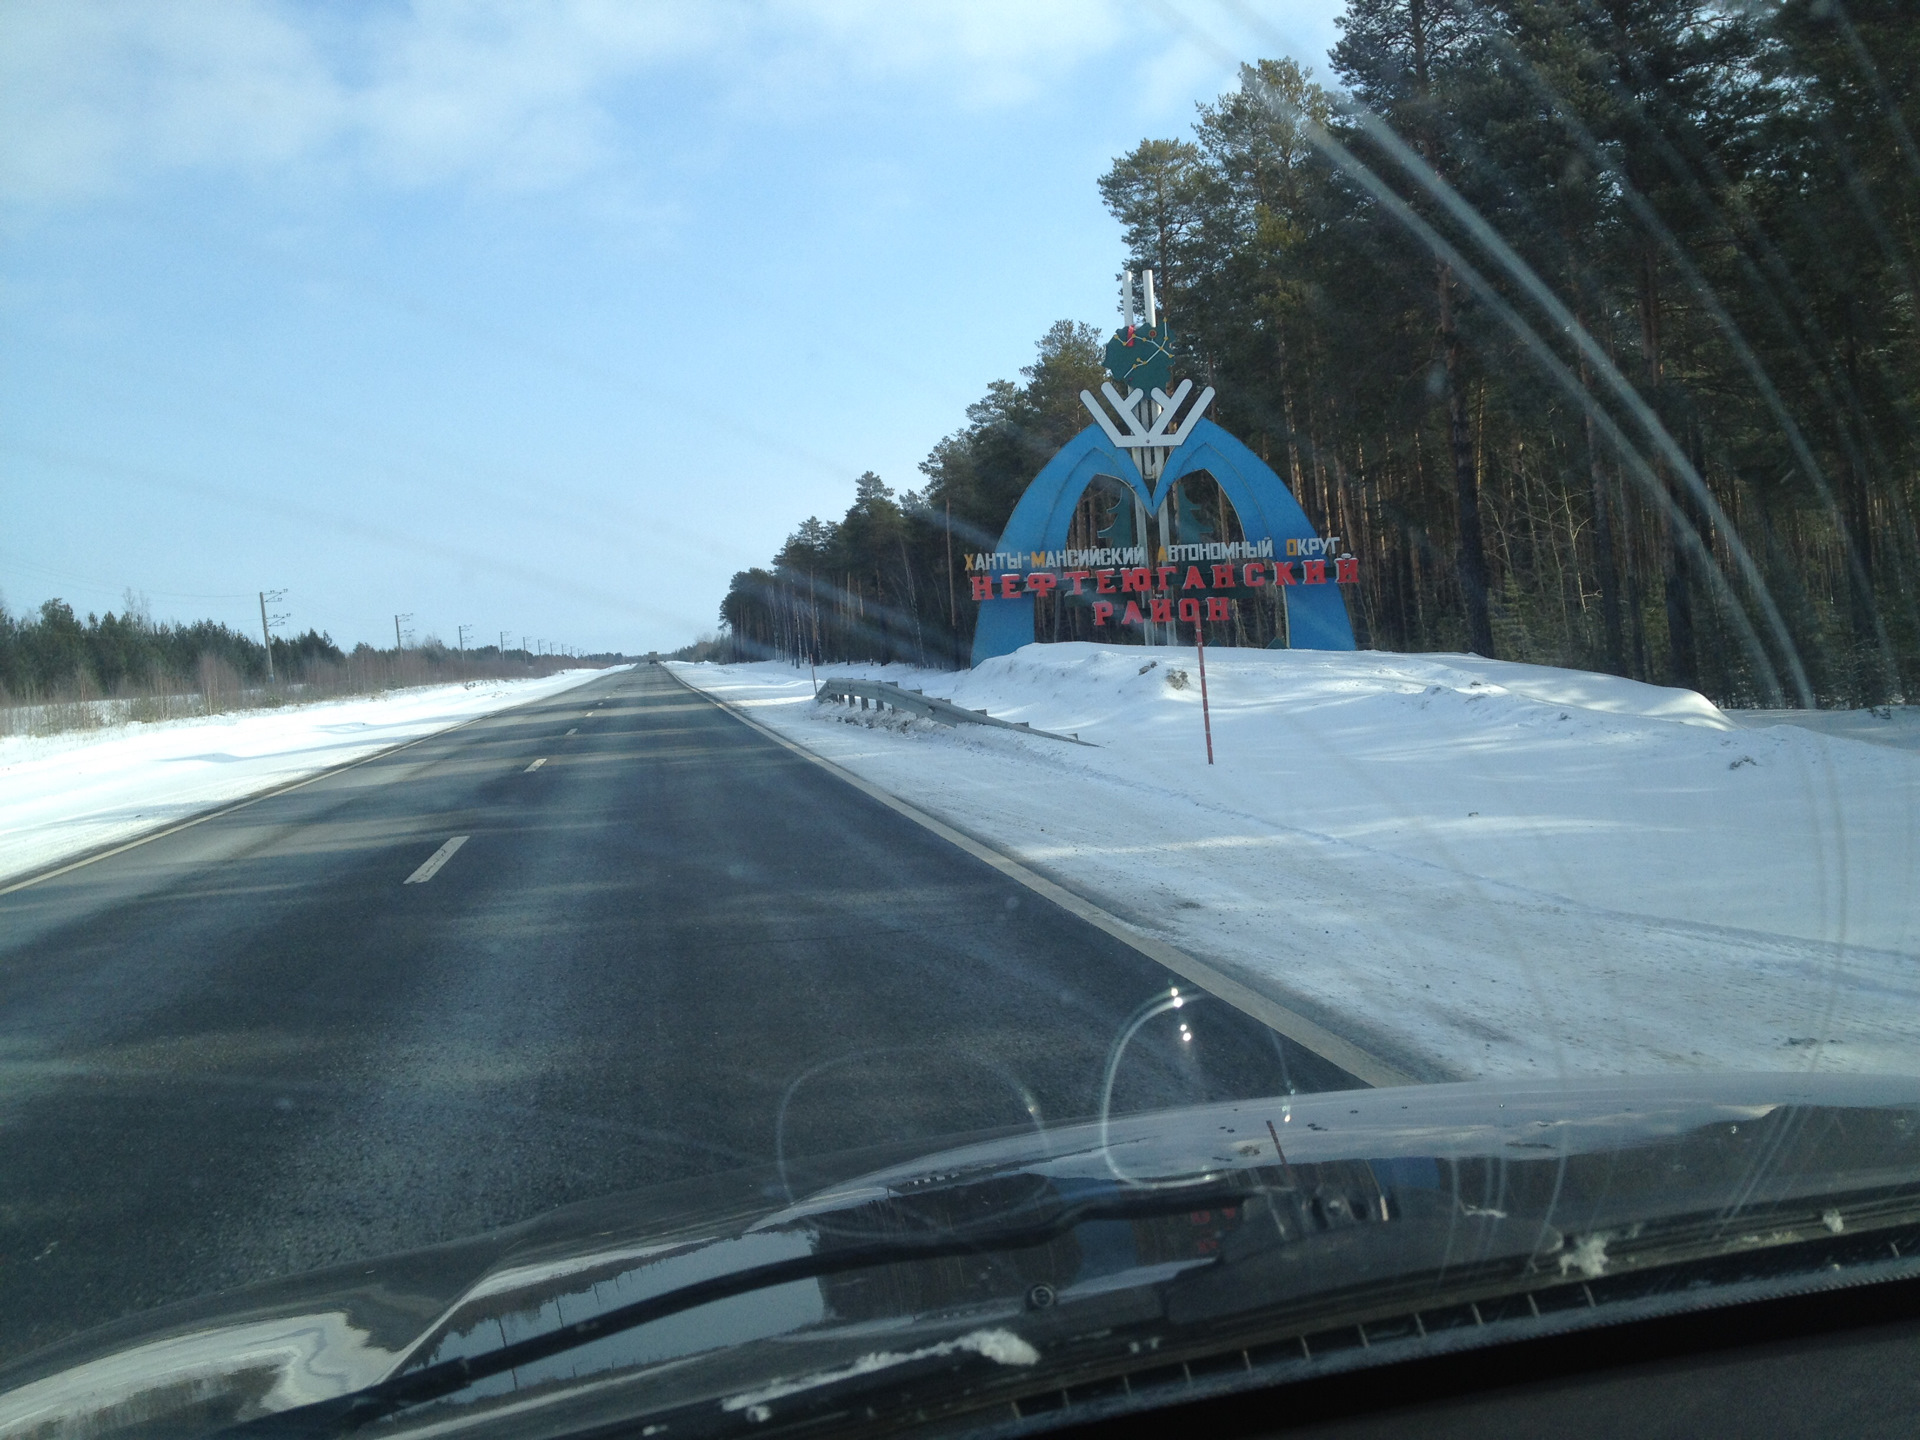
(54, 654)
(1590, 326)
(52, 660)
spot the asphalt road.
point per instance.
(672, 948)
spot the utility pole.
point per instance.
(399, 644)
(460, 633)
(266, 627)
(503, 644)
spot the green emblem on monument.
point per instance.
(1139, 357)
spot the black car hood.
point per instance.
(1539, 1168)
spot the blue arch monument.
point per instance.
(1280, 547)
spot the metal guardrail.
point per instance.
(927, 707)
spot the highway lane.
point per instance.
(664, 946)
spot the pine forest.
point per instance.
(1589, 326)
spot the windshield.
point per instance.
(731, 598)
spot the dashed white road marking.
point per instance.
(574, 731)
(535, 766)
(434, 861)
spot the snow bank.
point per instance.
(1472, 867)
(63, 795)
(1896, 725)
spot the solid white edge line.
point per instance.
(1358, 1063)
(535, 766)
(434, 861)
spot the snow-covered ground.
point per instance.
(1469, 867)
(1897, 725)
(63, 795)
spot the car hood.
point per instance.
(1527, 1171)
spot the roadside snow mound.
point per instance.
(1307, 679)
(1601, 790)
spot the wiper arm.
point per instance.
(343, 1414)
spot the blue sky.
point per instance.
(539, 318)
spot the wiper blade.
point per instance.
(344, 1414)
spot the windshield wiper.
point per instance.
(1371, 1237)
(343, 1414)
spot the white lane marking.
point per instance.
(574, 731)
(434, 861)
(535, 766)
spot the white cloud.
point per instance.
(987, 51)
(99, 94)
(509, 92)
(89, 91)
